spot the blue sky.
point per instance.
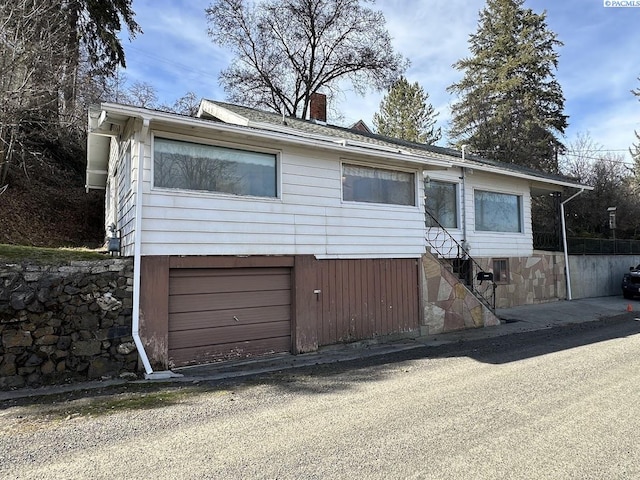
(599, 62)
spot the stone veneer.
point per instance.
(537, 279)
(448, 304)
(65, 322)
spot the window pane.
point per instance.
(497, 212)
(375, 185)
(501, 270)
(191, 166)
(441, 201)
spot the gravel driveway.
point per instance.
(562, 403)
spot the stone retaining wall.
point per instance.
(66, 322)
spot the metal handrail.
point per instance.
(477, 280)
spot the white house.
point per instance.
(254, 233)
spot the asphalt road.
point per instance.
(561, 403)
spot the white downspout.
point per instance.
(564, 242)
(465, 244)
(135, 318)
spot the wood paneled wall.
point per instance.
(355, 300)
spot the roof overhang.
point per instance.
(111, 119)
(99, 136)
(539, 185)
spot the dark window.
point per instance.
(441, 202)
(377, 185)
(192, 166)
(501, 270)
(498, 212)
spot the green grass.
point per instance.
(100, 403)
(133, 401)
(18, 253)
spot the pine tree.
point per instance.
(404, 113)
(510, 104)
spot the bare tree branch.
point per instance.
(285, 50)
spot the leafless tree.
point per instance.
(285, 50)
(53, 56)
(188, 104)
(142, 94)
(31, 46)
(588, 162)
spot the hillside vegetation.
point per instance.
(45, 204)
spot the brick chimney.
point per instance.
(318, 107)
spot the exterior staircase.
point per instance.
(455, 257)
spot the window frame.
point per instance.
(216, 144)
(497, 277)
(389, 168)
(520, 211)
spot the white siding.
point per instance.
(491, 244)
(308, 218)
(126, 198)
(111, 198)
(119, 207)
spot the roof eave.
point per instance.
(557, 184)
(116, 113)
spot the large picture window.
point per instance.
(441, 203)
(498, 212)
(192, 166)
(377, 185)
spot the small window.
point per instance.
(498, 212)
(127, 169)
(192, 166)
(107, 196)
(377, 185)
(501, 270)
(441, 203)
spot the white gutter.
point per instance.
(564, 242)
(135, 316)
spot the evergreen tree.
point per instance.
(405, 113)
(510, 105)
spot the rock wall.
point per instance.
(539, 278)
(62, 323)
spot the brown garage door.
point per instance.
(221, 313)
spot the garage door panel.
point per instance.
(237, 333)
(227, 301)
(235, 283)
(225, 318)
(228, 272)
(229, 351)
